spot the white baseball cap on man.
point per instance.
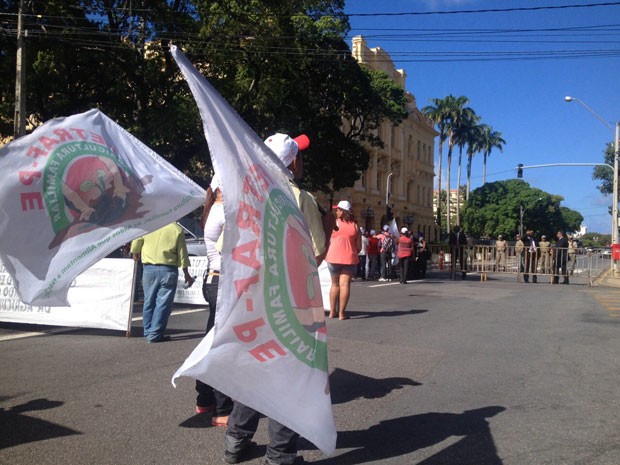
(285, 147)
(403, 230)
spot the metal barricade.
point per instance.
(550, 265)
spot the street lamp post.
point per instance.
(387, 196)
(614, 204)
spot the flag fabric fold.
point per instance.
(73, 191)
(268, 348)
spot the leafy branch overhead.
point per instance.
(284, 66)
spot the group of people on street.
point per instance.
(534, 256)
(381, 251)
(542, 257)
(349, 251)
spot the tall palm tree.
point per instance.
(474, 145)
(439, 116)
(464, 125)
(455, 107)
(490, 139)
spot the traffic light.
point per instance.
(520, 170)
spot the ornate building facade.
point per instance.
(400, 176)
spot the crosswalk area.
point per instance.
(609, 299)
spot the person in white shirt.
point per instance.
(211, 400)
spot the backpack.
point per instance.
(387, 244)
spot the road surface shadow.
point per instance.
(472, 439)
(16, 428)
(346, 386)
(383, 313)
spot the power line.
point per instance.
(487, 10)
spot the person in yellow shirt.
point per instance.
(162, 253)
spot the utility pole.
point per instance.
(19, 128)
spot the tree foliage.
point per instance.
(604, 174)
(284, 66)
(495, 208)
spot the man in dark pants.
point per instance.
(457, 241)
(243, 421)
(560, 257)
(531, 256)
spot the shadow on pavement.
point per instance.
(402, 436)
(347, 386)
(16, 428)
(384, 313)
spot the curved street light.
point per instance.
(614, 207)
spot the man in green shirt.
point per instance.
(162, 253)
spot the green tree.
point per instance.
(282, 66)
(490, 140)
(438, 113)
(495, 208)
(595, 239)
(286, 67)
(457, 115)
(95, 54)
(603, 173)
(475, 138)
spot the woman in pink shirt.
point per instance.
(342, 258)
(405, 253)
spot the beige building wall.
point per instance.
(406, 162)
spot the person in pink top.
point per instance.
(405, 252)
(342, 258)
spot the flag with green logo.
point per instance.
(268, 348)
(73, 191)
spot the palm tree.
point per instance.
(490, 139)
(474, 145)
(437, 114)
(455, 107)
(464, 125)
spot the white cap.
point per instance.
(344, 205)
(285, 147)
(386, 227)
(403, 230)
(373, 232)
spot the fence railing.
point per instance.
(549, 264)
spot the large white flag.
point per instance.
(268, 348)
(73, 191)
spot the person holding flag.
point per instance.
(270, 321)
(243, 420)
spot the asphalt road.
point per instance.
(433, 372)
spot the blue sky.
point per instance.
(521, 98)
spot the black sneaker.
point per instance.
(299, 460)
(233, 457)
(237, 456)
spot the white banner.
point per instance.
(268, 348)
(73, 191)
(100, 298)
